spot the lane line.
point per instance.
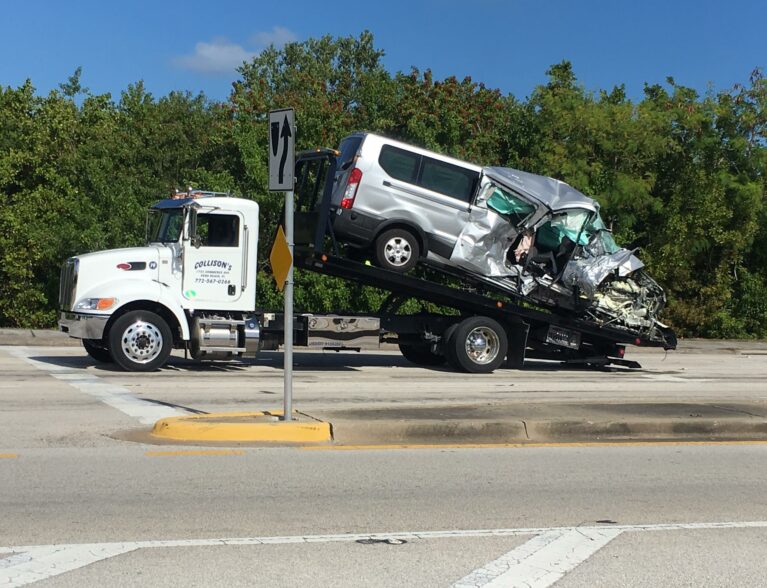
(9, 455)
(194, 452)
(541, 561)
(561, 545)
(117, 397)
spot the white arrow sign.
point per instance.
(282, 151)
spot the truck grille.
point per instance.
(68, 283)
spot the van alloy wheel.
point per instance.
(397, 250)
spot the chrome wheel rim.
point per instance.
(398, 251)
(141, 342)
(482, 345)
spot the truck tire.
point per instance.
(97, 350)
(477, 345)
(397, 250)
(140, 341)
(421, 355)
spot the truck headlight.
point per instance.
(96, 304)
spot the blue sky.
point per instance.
(195, 45)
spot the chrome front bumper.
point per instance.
(82, 326)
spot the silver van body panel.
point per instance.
(437, 218)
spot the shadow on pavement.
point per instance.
(315, 361)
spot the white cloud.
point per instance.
(278, 37)
(218, 56)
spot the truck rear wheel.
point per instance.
(140, 341)
(421, 355)
(97, 350)
(477, 345)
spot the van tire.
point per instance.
(140, 341)
(477, 345)
(397, 250)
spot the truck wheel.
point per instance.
(140, 341)
(397, 250)
(97, 350)
(477, 345)
(421, 355)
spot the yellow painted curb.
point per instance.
(242, 427)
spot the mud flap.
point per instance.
(517, 335)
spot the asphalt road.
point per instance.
(81, 507)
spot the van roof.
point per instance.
(555, 194)
(419, 150)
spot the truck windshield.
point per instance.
(164, 226)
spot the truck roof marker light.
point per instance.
(351, 189)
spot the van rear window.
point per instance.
(399, 164)
(348, 149)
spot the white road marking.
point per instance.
(541, 561)
(31, 563)
(112, 395)
(40, 563)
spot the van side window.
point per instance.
(218, 230)
(399, 164)
(448, 179)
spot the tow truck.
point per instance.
(193, 287)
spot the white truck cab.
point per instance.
(193, 285)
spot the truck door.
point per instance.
(213, 259)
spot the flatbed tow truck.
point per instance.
(192, 287)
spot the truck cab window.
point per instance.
(164, 226)
(218, 230)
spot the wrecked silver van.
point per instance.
(535, 237)
(539, 238)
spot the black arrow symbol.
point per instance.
(275, 138)
(286, 134)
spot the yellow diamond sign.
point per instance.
(280, 258)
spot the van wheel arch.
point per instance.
(423, 241)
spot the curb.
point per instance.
(243, 427)
(547, 431)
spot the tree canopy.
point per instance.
(679, 175)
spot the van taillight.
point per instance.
(351, 188)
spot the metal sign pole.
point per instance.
(282, 162)
(288, 345)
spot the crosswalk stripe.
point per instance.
(541, 561)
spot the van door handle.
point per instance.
(387, 183)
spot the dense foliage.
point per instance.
(679, 175)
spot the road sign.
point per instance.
(280, 259)
(282, 149)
